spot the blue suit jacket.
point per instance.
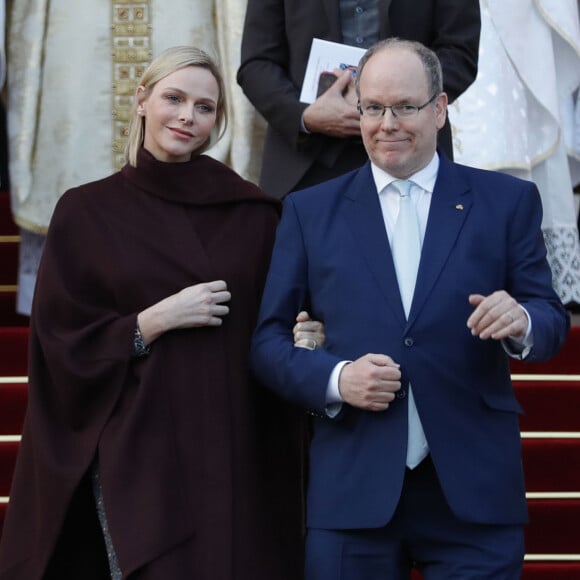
(332, 256)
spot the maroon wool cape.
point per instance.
(191, 451)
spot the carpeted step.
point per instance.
(541, 571)
(7, 225)
(8, 314)
(8, 452)
(9, 242)
(13, 399)
(9, 262)
(552, 464)
(566, 361)
(551, 571)
(3, 506)
(14, 349)
(549, 405)
(553, 527)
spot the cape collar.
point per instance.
(200, 181)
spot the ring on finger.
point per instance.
(311, 344)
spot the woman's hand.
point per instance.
(201, 305)
(194, 306)
(308, 333)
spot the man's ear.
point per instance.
(441, 109)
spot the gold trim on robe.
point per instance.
(131, 54)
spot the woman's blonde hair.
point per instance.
(166, 63)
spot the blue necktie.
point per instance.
(406, 250)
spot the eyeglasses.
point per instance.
(375, 111)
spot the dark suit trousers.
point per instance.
(423, 533)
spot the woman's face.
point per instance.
(180, 113)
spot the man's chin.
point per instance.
(393, 162)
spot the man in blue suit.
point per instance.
(415, 458)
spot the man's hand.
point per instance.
(308, 333)
(370, 382)
(497, 316)
(333, 114)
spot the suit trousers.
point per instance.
(423, 533)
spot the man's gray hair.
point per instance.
(430, 61)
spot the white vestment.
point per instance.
(521, 115)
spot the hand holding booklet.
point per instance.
(326, 57)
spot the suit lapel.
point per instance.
(384, 20)
(362, 212)
(450, 206)
(333, 19)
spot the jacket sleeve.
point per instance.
(264, 73)
(529, 277)
(296, 374)
(456, 43)
(81, 347)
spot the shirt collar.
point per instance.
(424, 178)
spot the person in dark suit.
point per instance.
(415, 457)
(306, 144)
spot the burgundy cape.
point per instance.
(191, 452)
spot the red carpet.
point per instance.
(550, 429)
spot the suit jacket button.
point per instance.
(408, 341)
(401, 394)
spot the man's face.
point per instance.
(400, 146)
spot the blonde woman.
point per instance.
(148, 451)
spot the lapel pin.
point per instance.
(459, 207)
